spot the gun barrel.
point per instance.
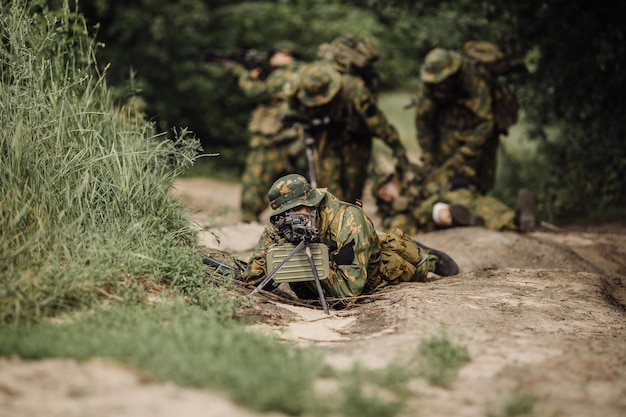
(217, 264)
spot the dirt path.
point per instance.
(541, 314)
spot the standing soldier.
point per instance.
(343, 142)
(273, 145)
(454, 118)
(461, 112)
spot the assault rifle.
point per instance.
(249, 58)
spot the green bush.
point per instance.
(85, 208)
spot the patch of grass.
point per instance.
(442, 359)
(374, 393)
(194, 347)
(182, 344)
(520, 405)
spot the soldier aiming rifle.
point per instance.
(251, 59)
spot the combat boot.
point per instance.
(444, 265)
(461, 216)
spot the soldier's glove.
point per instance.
(345, 256)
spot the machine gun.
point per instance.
(301, 233)
(249, 58)
(295, 228)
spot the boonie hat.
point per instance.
(439, 64)
(320, 84)
(291, 191)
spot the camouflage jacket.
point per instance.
(278, 86)
(344, 224)
(355, 116)
(452, 131)
(272, 94)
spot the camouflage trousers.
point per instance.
(343, 169)
(264, 165)
(496, 214)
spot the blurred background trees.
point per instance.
(573, 104)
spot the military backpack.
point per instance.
(505, 105)
(354, 56)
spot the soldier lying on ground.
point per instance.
(413, 204)
(361, 260)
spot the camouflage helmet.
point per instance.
(291, 191)
(439, 64)
(320, 84)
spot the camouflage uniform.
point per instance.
(412, 212)
(496, 214)
(363, 260)
(343, 147)
(350, 55)
(273, 145)
(454, 119)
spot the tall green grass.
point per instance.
(84, 208)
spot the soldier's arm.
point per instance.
(261, 90)
(348, 278)
(256, 270)
(377, 123)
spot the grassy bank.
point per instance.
(84, 206)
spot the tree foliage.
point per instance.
(579, 84)
(155, 48)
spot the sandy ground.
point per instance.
(541, 314)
